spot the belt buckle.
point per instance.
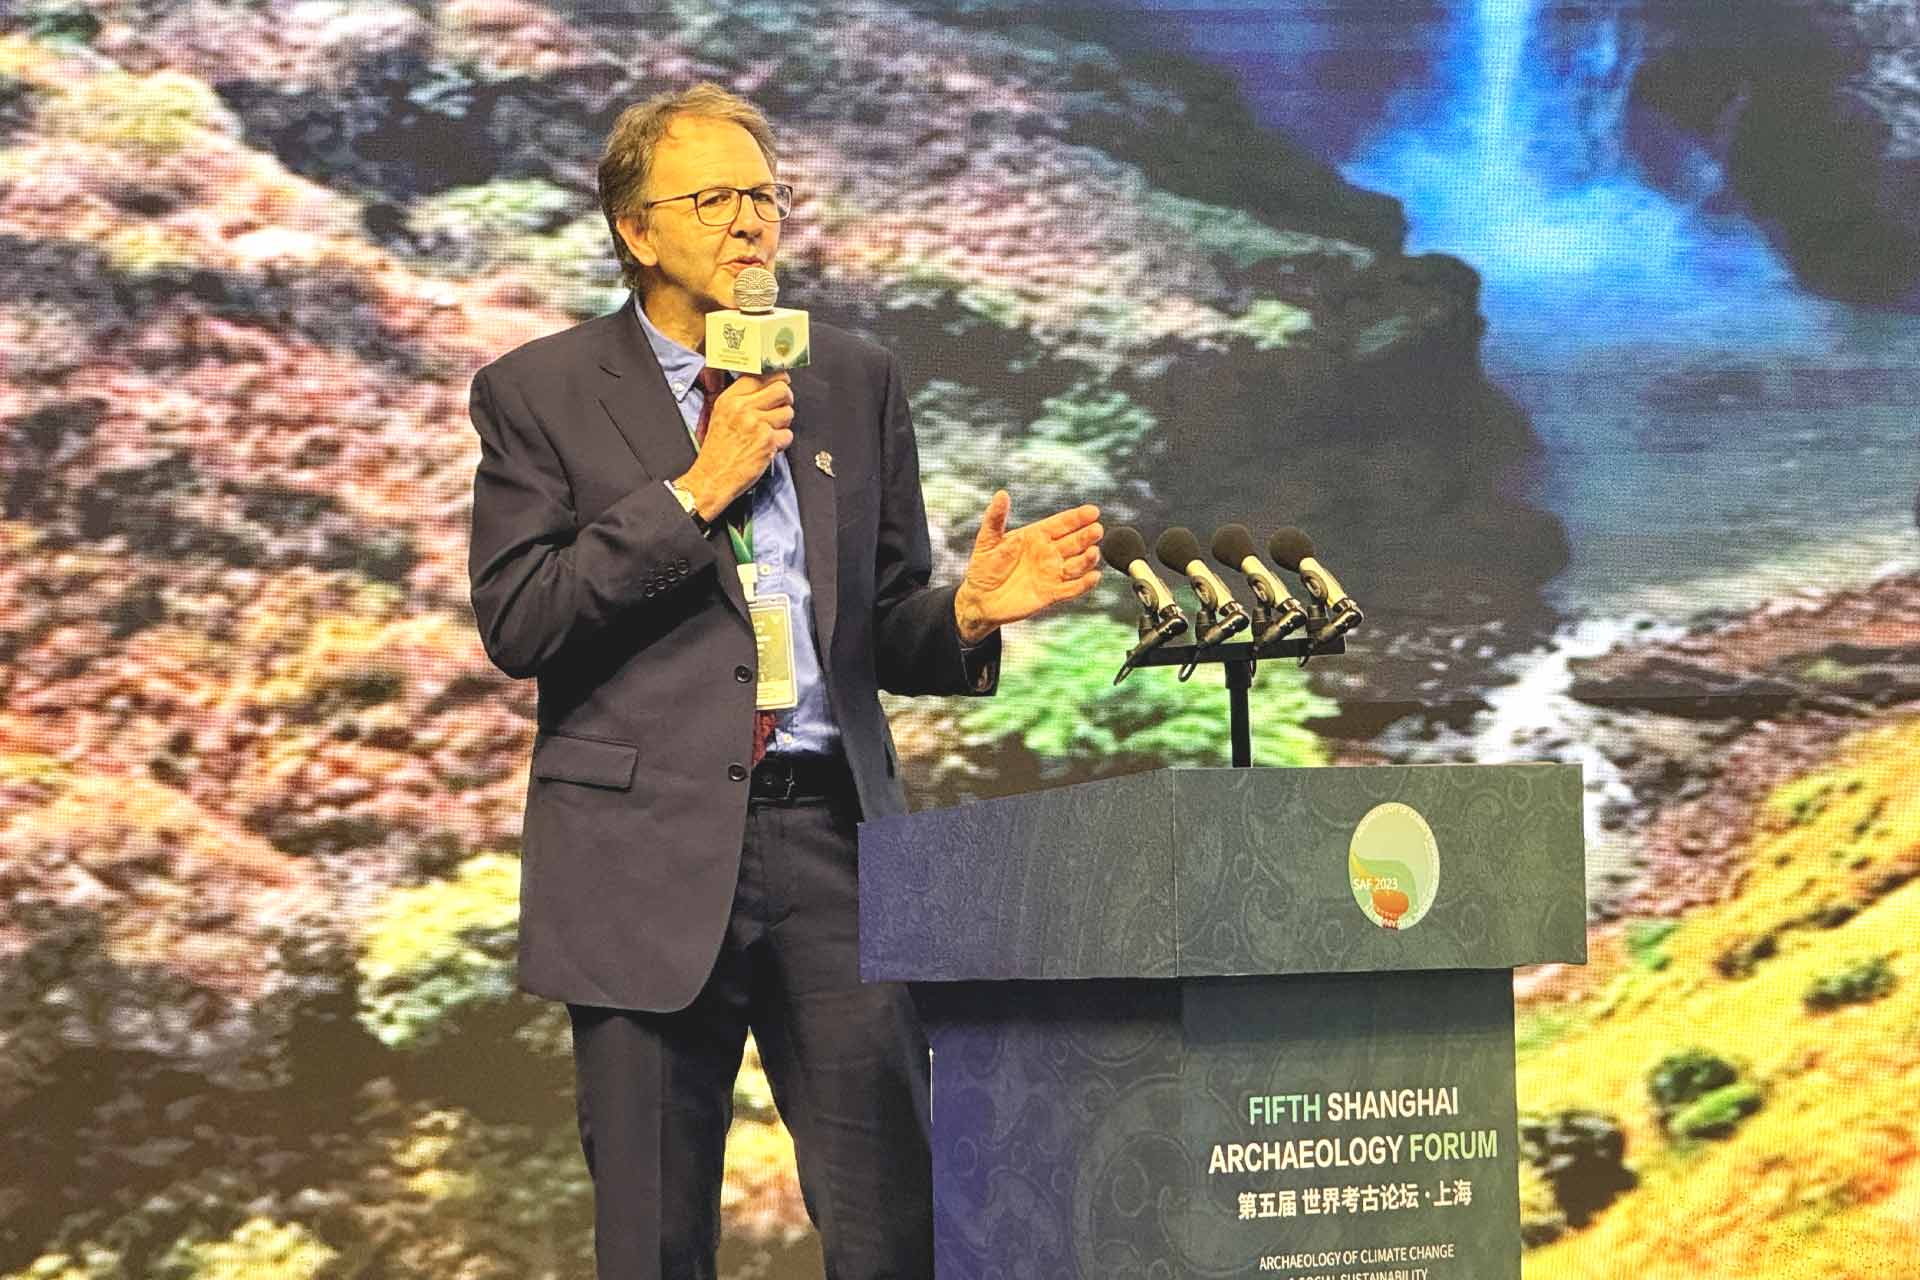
(769, 768)
(787, 773)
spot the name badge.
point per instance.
(778, 689)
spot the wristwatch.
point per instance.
(692, 508)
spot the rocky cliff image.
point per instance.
(1583, 340)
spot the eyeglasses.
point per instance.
(719, 206)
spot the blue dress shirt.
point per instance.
(780, 557)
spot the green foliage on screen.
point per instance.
(59, 21)
(1646, 942)
(1856, 983)
(1069, 708)
(1236, 234)
(1573, 1165)
(159, 113)
(1716, 1114)
(953, 425)
(481, 1198)
(556, 238)
(1699, 1094)
(258, 1250)
(85, 1262)
(506, 206)
(1271, 323)
(1102, 419)
(433, 950)
(1681, 1077)
(579, 266)
(939, 285)
(1089, 443)
(399, 1188)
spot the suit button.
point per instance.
(681, 566)
(647, 592)
(738, 772)
(743, 674)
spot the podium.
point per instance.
(1229, 1022)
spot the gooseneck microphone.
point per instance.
(1276, 612)
(1126, 550)
(1292, 549)
(1221, 615)
(1160, 616)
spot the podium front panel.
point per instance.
(1308, 1127)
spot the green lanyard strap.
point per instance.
(741, 536)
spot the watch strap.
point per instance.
(691, 507)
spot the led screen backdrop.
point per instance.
(1582, 338)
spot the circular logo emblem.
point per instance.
(1394, 866)
(783, 343)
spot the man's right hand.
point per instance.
(751, 422)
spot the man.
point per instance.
(677, 888)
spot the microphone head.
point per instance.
(1122, 546)
(1289, 547)
(755, 289)
(1177, 548)
(1232, 544)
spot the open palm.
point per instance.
(1015, 573)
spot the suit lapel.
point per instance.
(819, 508)
(637, 399)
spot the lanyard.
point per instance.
(741, 536)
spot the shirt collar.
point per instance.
(681, 364)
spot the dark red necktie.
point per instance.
(713, 381)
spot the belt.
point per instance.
(787, 779)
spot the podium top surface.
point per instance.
(1210, 872)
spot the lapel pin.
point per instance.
(824, 461)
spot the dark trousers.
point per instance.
(847, 1062)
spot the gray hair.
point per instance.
(627, 160)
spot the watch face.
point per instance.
(691, 507)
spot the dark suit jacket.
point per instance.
(589, 577)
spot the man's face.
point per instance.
(694, 265)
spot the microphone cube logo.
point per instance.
(757, 344)
(1393, 863)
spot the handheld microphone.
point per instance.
(1221, 615)
(1160, 616)
(759, 338)
(1293, 549)
(1276, 612)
